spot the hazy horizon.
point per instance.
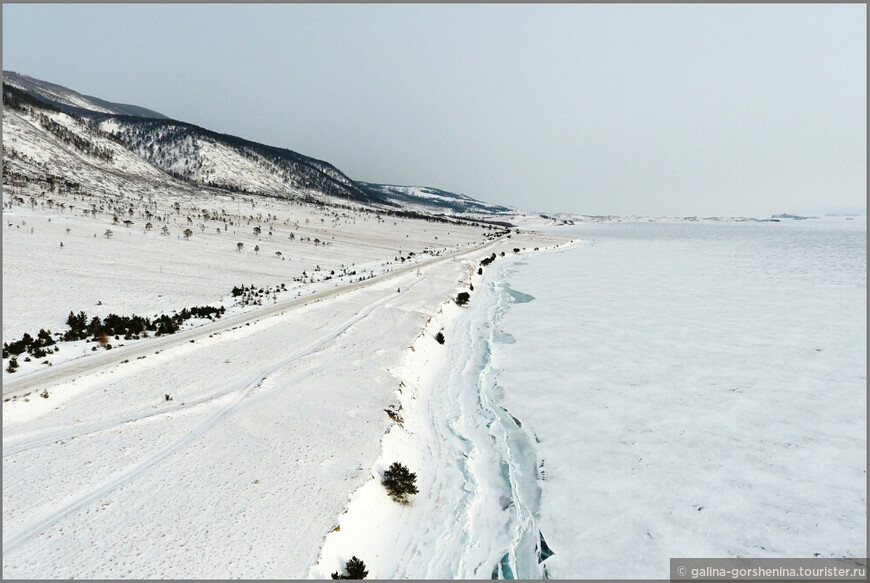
(654, 110)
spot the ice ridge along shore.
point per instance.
(476, 465)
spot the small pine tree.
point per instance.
(400, 482)
(356, 569)
(440, 337)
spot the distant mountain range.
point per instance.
(94, 128)
(432, 199)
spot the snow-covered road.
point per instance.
(67, 370)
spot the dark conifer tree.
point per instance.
(355, 568)
(400, 482)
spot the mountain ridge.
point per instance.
(61, 96)
(212, 159)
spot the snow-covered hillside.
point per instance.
(202, 157)
(42, 146)
(186, 153)
(207, 158)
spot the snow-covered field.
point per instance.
(240, 475)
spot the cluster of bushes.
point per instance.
(131, 327)
(242, 290)
(112, 325)
(169, 324)
(78, 327)
(250, 295)
(34, 346)
(497, 234)
(487, 260)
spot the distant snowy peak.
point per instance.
(433, 199)
(71, 101)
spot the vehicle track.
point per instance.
(21, 443)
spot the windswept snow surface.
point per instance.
(654, 391)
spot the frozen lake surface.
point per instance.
(695, 389)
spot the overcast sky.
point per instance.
(595, 109)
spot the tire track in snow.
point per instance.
(40, 438)
(19, 444)
(89, 495)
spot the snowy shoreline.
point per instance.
(432, 537)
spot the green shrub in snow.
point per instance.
(400, 482)
(355, 568)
